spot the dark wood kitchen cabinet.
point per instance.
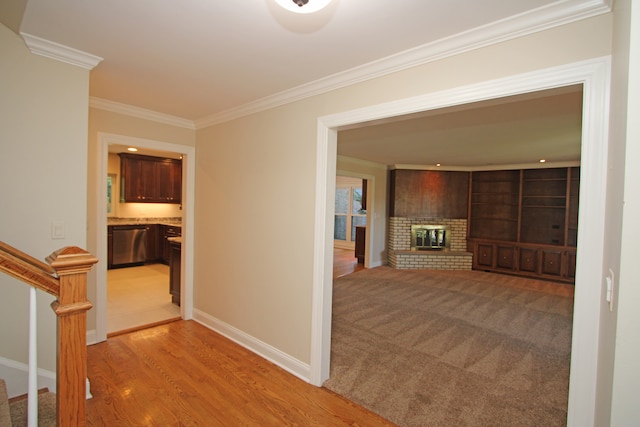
(109, 246)
(148, 179)
(152, 243)
(175, 246)
(166, 232)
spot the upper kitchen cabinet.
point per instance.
(147, 179)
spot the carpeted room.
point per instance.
(430, 347)
(449, 348)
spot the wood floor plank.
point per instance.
(183, 374)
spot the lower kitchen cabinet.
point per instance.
(153, 243)
(175, 269)
(166, 232)
(109, 246)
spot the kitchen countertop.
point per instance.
(175, 222)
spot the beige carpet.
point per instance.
(138, 296)
(46, 411)
(425, 348)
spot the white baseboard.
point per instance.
(92, 337)
(272, 354)
(16, 375)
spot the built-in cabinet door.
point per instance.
(528, 260)
(552, 262)
(571, 264)
(506, 257)
(484, 255)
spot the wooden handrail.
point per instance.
(65, 277)
(23, 267)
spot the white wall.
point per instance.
(625, 389)
(43, 169)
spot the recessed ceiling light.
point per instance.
(438, 164)
(303, 6)
(542, 160)
(132, 149)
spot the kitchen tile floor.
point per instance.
(138, 296)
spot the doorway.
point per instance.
(593, 75)
(186, 257)
(350, 213)
(139, 290)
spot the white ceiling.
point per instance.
(516, 131)
(196, 59)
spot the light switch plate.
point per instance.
(57, 230)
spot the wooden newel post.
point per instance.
(72, 265)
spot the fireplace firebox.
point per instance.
(430, 237)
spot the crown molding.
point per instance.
(60, 52)
(543, 18)
(536, 165)
(140, 113)
(362, 162)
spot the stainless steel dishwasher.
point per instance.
(129, 245)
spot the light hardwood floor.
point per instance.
(183, 374)
(344, 262)
(138, 297)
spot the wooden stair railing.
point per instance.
(65, 277)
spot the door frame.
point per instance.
(188, 195)
(594, 75)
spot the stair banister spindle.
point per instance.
(32, 397)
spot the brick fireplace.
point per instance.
(450, 256)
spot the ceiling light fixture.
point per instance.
(303, 6)
(132, 149)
